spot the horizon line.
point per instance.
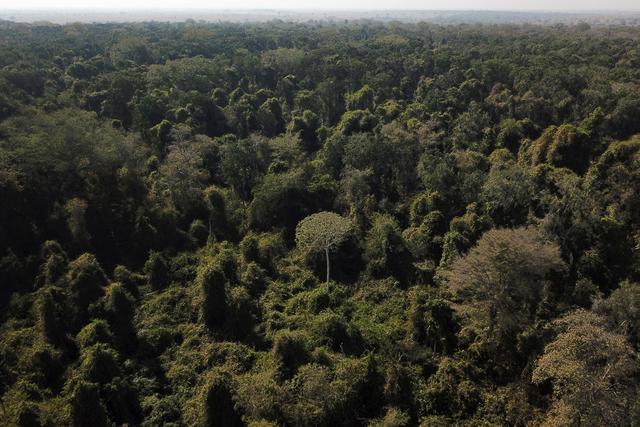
(304, 9)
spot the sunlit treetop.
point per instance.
(322, 230)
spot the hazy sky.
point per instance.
(329, 4)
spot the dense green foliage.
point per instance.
(171, 195)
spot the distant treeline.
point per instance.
(441, 17)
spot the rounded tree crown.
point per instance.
(322, 230)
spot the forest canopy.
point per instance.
(316, 224)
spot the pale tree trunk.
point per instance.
(326, 253)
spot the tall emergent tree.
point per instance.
(322, 231)
(500, 281)
(592, 369)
